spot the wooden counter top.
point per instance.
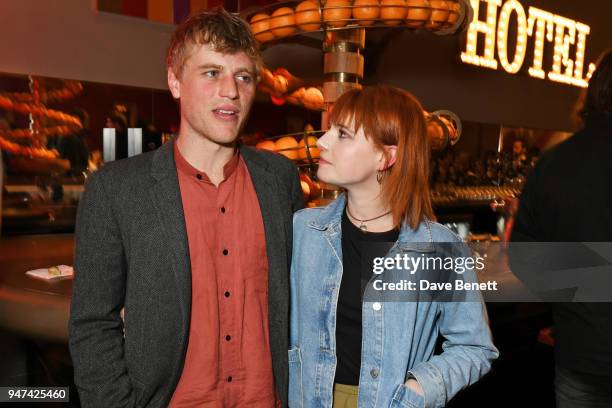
(28, 306)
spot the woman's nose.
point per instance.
(322, 142)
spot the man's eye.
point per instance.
(247, 79)
(211, 74)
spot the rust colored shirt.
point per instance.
(228, 362)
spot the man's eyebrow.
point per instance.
(220, 68)
(245, 69)
(207, 66)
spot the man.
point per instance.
(118, 121)
(194, 241)
(73, 147)
(568, 198)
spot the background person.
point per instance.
(568, 198)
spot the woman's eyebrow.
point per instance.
(343, 127)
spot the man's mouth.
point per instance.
(228, 113)
(225, 111)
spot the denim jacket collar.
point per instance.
(329, 220)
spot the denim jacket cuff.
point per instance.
(432, 383)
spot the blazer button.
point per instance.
(374, 372)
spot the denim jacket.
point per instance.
(399, 338)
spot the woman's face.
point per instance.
(347, 158)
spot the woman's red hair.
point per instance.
(392, 116)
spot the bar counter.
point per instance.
(30, 307)
(38, 309)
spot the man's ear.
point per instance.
(174, 84)
(389, 157)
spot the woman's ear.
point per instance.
(389, 157)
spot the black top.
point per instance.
(359, 248)
(121, 144)
(568, 198)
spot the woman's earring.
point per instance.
(379, 176)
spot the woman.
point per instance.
(347, 351)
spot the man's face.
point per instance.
(216, 92)
(518, 147)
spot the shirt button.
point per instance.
(225, 252)
(223, 210)
(228, 337)
(376, 306)
(229, 379)
(199, 176)
(227, 294)
(374, 372)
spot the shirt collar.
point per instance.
(183, 165)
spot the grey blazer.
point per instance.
(132, 251)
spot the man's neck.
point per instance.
(205, 155)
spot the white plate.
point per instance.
(66, 272)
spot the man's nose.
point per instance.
(228, 88)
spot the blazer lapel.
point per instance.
(267, 190)
(268, 194)
(165, 195)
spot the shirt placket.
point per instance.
(230, 296)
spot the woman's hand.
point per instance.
(415, 386)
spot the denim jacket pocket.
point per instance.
(296, 399)
(404, 397)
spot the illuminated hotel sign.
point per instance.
(567, 67)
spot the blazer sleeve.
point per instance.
(95, 327)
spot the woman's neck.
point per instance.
(363, 206)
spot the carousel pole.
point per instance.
(342, 67)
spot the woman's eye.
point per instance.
(342, 134)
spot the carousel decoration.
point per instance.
(43, 122)
(279, 21)
(284, 87)
(341, 26)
